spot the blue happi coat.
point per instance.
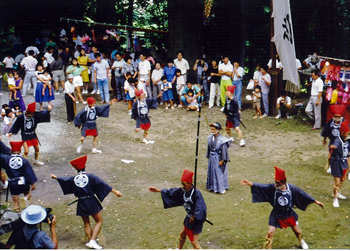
(338, 161)
(193, 203)
(19, 172)
(282, 202)
(90, 190)
(217, 179)
(86, 119)
(331, 131)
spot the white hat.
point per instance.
(70, 76)
(33, 214)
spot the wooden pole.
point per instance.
(273, 71)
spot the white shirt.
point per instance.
(182, 65)
(118, 65)
(180, 81)
(32, 48)
(8, 61)
(19, 58)
(49, 58)
(129, 88)
(144, 67)
(165, 86)
(298, 64)
(29, 63)
(157, 74)
(317, 87)
(225, 68)
(287, 100)
(142, 86)
(240, 72)
(76, 54)
(68, 87)
(256, 75)
(278, 64)
(262, 82)
(101, 69)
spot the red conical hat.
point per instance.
(187, 176)
(138, 93)
(31, 107)
(337, 109)
(231, 88)
(79, 163)
(344, 127)
(16, 146)
(280, 174)
(90, 101)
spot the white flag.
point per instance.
(284, 39)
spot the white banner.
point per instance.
(284, 40)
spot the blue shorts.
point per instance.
(127, 97)
(168, 95)
(16, 189)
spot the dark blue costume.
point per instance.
(231, 110)
(140, 114)
(338, 161)
(19, 171)
(193, 203)
(90, 190)
(28, 125)
(331, 131)
(4, 149)
(87, 118)
(281, 201)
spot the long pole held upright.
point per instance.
(274, 70)
(197, 143)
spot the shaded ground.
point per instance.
(138, 220)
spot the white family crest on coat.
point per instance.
(283, 201)
(81, 180)
(16, 162)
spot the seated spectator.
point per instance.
(184, 94)
(29, 236)
(284, 105)
(192, 101)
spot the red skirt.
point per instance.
(145, 126)
(91, 132)
(189, 233)
(32, 142)
(289, 222)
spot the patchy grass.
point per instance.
(138, 220)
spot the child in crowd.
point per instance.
(167, 93)
(140, 114)
(192, 101)
(12, 85)
(46, 80)
(257, 102)
(8, 121)
(180, 83)
(3, 111)
(129, 87)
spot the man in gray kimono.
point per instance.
(217, 154)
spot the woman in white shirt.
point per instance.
(157, 74)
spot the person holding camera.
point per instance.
(28, 235)
(283, 105)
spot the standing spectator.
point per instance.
(69, 98)
(101, 76)
(144, 74)
(257, 102)
(119, 77)
(283, 106)
(19, 102)
(201, 68)
(129, 67)
(265, 83)
(225, 71)
(58, 76)
(213, 79)
(9, 62)
(179, 86)
(169, 72)
(83, 61)
(32, 48)
(157, 75)
(167, 93)
(29, 64)
(92, 60)
(76, 70)
(278, 63)
(313, 107)
(182, 64)
(49, 55)
(237, 75)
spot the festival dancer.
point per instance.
(91, 191)
(21, 177)
(140, 114)
(194, 205)
(86, 120)
(231, 110)
(338, 155)
(217, 154)
(27, 123)
(331, 129)
(282, 197)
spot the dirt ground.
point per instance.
(138, 220)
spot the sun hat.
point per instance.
(33, 214)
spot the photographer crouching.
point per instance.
(28, 235)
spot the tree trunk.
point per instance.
(130, 15)
(105, 11)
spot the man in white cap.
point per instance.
(29, 236)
